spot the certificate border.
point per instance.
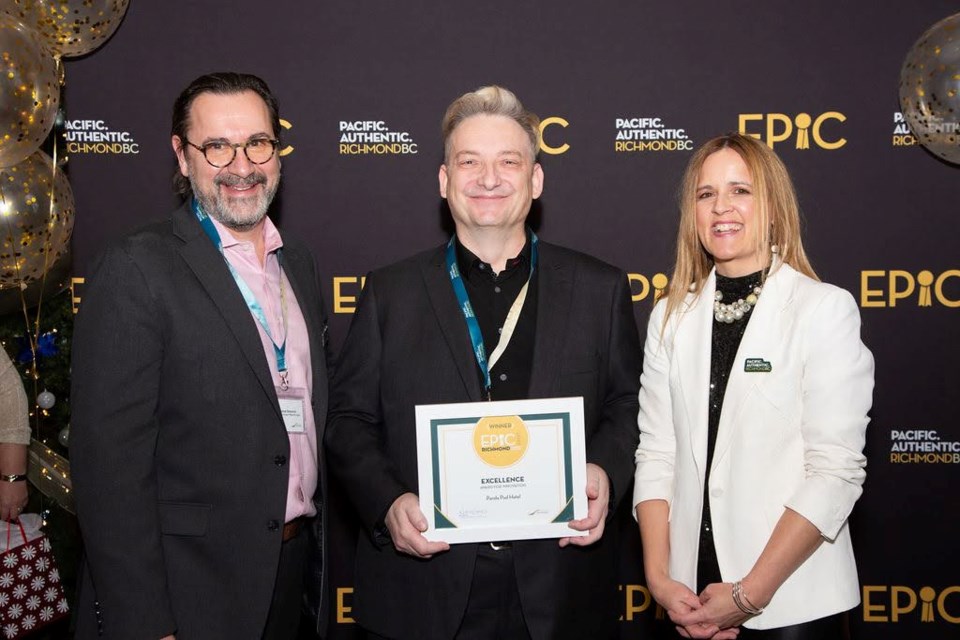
(431, 419)
(442, 521)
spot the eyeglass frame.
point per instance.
(236, 145)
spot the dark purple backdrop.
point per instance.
(879, 211)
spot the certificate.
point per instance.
(492, 471)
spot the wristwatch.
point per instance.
(14, 477)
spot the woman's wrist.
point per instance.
(754, 594)
(656, 582)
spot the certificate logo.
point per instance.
(500, 441)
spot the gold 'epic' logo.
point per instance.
(779, 127)
(346, 289)
(879, 288)
(550, 148)
(500, 441)
(883, 603)
(640, 286)
(287, 150)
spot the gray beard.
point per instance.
(233, 215)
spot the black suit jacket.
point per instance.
(178, 448)
(408, 345)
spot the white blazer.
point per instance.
(791, 434)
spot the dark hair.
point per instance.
(223, 82)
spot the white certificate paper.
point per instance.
(492, 471)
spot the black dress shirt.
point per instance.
(491, 296)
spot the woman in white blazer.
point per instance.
(753, 408)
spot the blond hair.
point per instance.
(778, 212)
(491, 101)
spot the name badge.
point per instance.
(291, 408)
(757, 365)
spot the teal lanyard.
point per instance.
(476, 336)
(248, 297)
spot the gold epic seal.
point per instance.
(500, 441)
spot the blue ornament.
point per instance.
(46, 347)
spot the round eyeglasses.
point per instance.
(220, 153)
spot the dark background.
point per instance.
(869, 205)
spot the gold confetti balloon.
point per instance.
(29, 91)
(56, 280)
(70, 27)
(930, 89)
(34, 233)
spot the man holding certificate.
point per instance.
(495, 314)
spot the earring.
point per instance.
(774, 248)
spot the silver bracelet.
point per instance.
(13, 477)
(740, 599)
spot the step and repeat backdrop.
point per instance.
(626, 91)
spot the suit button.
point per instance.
(280, 460)
(273, 525)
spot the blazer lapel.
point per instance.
(554, 299)
(297, 267)
(453, 326)
(760, 340)
(691, 344)
(210, 269)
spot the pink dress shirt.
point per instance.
(264, 282)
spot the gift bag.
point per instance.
(31, 596)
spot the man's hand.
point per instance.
(598, 503)
(406, 524)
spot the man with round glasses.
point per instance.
(200, 397)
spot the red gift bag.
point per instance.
(31, 595)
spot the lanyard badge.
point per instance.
(473, 327)
(280, 351)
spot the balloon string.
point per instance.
(34, 338)
(51, 218)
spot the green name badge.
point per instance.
(757, 365)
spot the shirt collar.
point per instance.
(469, 262)
(271, 236)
